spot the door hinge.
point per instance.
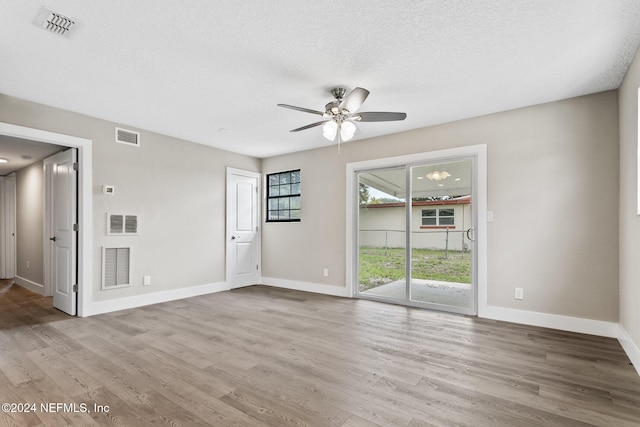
(76, 166)
(75, 288)
(257, 267)
(75, 227)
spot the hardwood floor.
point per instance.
(262, 356)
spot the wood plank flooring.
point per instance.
(262, 356)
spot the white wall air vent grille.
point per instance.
(116, 268)
(131, 224)
(122, 225)
(57, 23)
(128, 137)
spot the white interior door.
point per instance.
(63, 244)
(8, 227)
(243, 231)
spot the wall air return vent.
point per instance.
(57, 23)
(116, 268)
(122, 225)
(128, 137)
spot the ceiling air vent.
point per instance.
(57, 23)
(128, 137)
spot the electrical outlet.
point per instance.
(519, 293)
(325, 272)
(146, 281)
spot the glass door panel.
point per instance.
(422, 254)
(382, 234)
(441, 235)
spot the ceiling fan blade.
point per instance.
(312, 125)
(354, 100)
(379, 117)
(304, 110)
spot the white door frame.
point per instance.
(85, 206)
(477, 151)
(230, 243)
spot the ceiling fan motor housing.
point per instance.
(338, 93)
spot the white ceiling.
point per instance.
(213, 72)
(393, 181)
(22, 152)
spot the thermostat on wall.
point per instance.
(108, 189)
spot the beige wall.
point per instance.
(629, 220)
(177, 188)
(30, 223)
(553, 188)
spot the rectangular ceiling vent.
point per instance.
(57, 23)
(129, 137)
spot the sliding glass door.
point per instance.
(382, 234)
(416, 243)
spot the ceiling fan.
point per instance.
(340, 114)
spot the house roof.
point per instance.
(213, 72)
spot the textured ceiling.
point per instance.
(22, 153)
(213, 72)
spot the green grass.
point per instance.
(379, 266)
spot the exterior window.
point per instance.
(435, 217)
(283, 196)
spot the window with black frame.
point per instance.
(283, 196)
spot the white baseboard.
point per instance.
(630, 347)
(28, 284)
(317, 288)
(153, 298)
(553, 321)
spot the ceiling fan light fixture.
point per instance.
(329, 130)
(438, 176)
(347, 130)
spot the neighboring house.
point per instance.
(438, 224)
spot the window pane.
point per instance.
(283, 215)
(295, 214)
(285, 190)
(273, 204)
(446, 212)
(285, 178)
(295, 188)
(446, 221)
(294, 202)
(428, 221)
(274, 190)
(283, 203)
(273, 215)
(295, 176)
(428, 212)
(274, 179)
